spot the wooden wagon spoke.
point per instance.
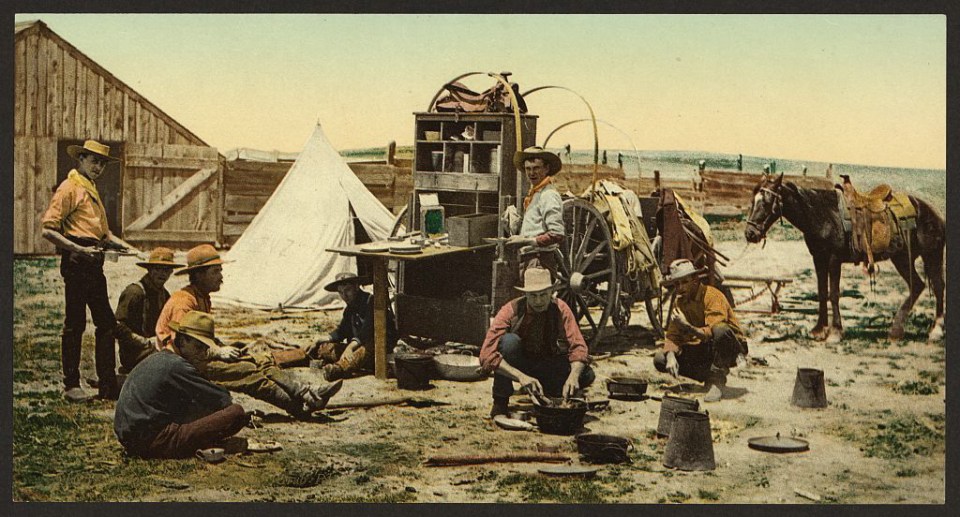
(601, 300)
(597, 274)
(590, 257)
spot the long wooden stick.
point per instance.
(396, 401)
(449, 461)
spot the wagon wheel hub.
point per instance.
(577, 282)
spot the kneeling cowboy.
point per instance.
(704, 338)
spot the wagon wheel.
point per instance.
(588, 268)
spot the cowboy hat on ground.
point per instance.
(198, 325)
(535, 280)
(551, 160)
(681, 269)
(160, 257)
(91, 147)
(201, 256)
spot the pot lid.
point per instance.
(778, 444)
(569, 471)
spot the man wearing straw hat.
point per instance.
(541, 229)
(536, 341)
(166, 408)
(139, 307)
(76, 223)
(255, 374)
(349, 348)
(704, 338)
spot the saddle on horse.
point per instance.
(881, 220)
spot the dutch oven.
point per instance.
(603, 448)
(631, 387)
(558, 416)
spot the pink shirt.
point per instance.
(506, 320)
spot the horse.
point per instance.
(817, 213)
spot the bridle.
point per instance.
(776, 212)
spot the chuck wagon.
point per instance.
(463, 169)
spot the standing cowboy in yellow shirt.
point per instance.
(76, 223)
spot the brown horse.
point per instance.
(817, 214)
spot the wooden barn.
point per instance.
(166, 188)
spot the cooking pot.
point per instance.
(556, 416)
(456, 367)
(626, 386)
(603, 448)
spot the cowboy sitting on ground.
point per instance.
(704, 338)
(542, 227)
(349, 348)
(139, 307)
(205, 270)
(536, 341)
(166, 409)
(255, 374)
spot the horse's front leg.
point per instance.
(836, 326)
(906, 268)
(820, 263)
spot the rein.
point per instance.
(776, 212)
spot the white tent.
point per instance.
(281, 258)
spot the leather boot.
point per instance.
(290, 358)
(716, 380)
(501, 405)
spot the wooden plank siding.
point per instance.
(60, 95)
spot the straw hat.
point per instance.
(344, 278)
(681, 269)
(201, 256)
(160, 257)
(196, 324)
(536, 279)
(530, 153)
(92, 147)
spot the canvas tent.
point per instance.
(281, 258)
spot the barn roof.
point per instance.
(25, 28)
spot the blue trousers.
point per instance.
(552, 372)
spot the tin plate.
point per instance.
(569, 471)
(778, 444)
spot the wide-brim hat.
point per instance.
(200, 257)
(160, 257)
(535, 280)
(681, 269)
(91, 147)
(344, 278)
(530, 153)
(198, 325)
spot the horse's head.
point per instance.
(767, 207)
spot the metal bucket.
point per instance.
(603, 448)
(808, 389)
(413, 371)
(669, 407)
(690, 446)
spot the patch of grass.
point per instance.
(904, 437)
(379, 458)
(934, 377)
(916, 388)
(678, 497)
(708, 495)
(907, 473)
(536, 489)
(300, 474)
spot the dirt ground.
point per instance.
(880, 440)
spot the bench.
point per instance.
(771, 284)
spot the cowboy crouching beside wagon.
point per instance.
(536, 341)
(703, 339)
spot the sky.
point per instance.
(859, 89)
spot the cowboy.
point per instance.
(349, 348)
(231, 367)
(536, 341)
(166, 408)
(542, 227)
(704, 338)
(76, 223)
(139, 308)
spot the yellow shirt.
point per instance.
(76, 211)
(707, 308)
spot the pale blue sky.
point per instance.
(847, 89)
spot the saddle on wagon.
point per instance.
(879, 221)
